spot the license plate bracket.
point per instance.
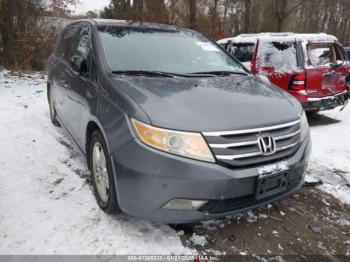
(271, 183)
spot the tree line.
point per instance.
(221, 18)
(27, 39)
(28, 30)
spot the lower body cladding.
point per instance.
(326, 103)
(171, 189)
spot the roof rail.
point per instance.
(267, 33)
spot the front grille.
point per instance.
(241, 147)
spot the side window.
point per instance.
(79, 46)
(83, 43)
(324, 54)
(281, 56)
(66, 45)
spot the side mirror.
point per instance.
(78, 64)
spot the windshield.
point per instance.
(181, 52)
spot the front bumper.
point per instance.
(147, 179)
(326, 103)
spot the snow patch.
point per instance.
(343, 222)
(46, 204)
(264, 78)
(282, 59)
(273, 168)
(251, 217)
(248, 65)
(330, 156)
(198, 240)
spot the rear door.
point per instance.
(326, 69)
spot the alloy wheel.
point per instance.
(99, 169)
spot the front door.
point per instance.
(80, 87)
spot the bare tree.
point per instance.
(26, 40)
(7, 29)
(247, 17)
(26, 36)
(138, 10)
(193, 14)
(282, 11)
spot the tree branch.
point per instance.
(295, 7)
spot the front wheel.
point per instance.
(102, 175)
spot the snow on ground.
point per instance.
(45, 206)
(330, 159)
(198, 240)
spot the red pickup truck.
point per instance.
(311, 67)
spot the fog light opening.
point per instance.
(184, 204)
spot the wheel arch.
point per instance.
(91, 126)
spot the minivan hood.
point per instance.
(210, 103)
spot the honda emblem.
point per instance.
(267, 145)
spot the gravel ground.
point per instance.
(309, 222)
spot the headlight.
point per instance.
(185, 144)
(304, 126)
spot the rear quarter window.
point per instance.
(282, 56)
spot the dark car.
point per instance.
(347, 50)
(174, 129)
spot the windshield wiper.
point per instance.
(220, 73)
(143, 73)
(167, 74)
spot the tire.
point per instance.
(53, 113)
(312, 113)
(104, 189)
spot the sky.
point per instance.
(87, 5)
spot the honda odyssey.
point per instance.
(174, 129)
